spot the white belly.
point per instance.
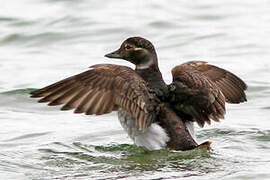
(154, 138)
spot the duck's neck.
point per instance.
(152, 75)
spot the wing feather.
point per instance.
(76, 100)
(55, 94)
(200, 91)
(216, 74)
(101, 90)
(68, 95)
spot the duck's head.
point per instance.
(138, 51)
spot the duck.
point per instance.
(155, 115)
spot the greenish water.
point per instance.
(43, 41)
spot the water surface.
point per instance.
(43, 41)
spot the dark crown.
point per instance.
(141, 42)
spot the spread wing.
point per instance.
(103, 89)
(199, 91)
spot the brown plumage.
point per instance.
(141, 97)
(101, 90)
(200, 90)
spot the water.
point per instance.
(42, 41)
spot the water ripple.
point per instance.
(47, 40)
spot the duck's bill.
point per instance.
(114, 54)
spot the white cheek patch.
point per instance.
(146, 64)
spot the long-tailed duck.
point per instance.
(155, 115)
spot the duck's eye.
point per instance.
(127, 47)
